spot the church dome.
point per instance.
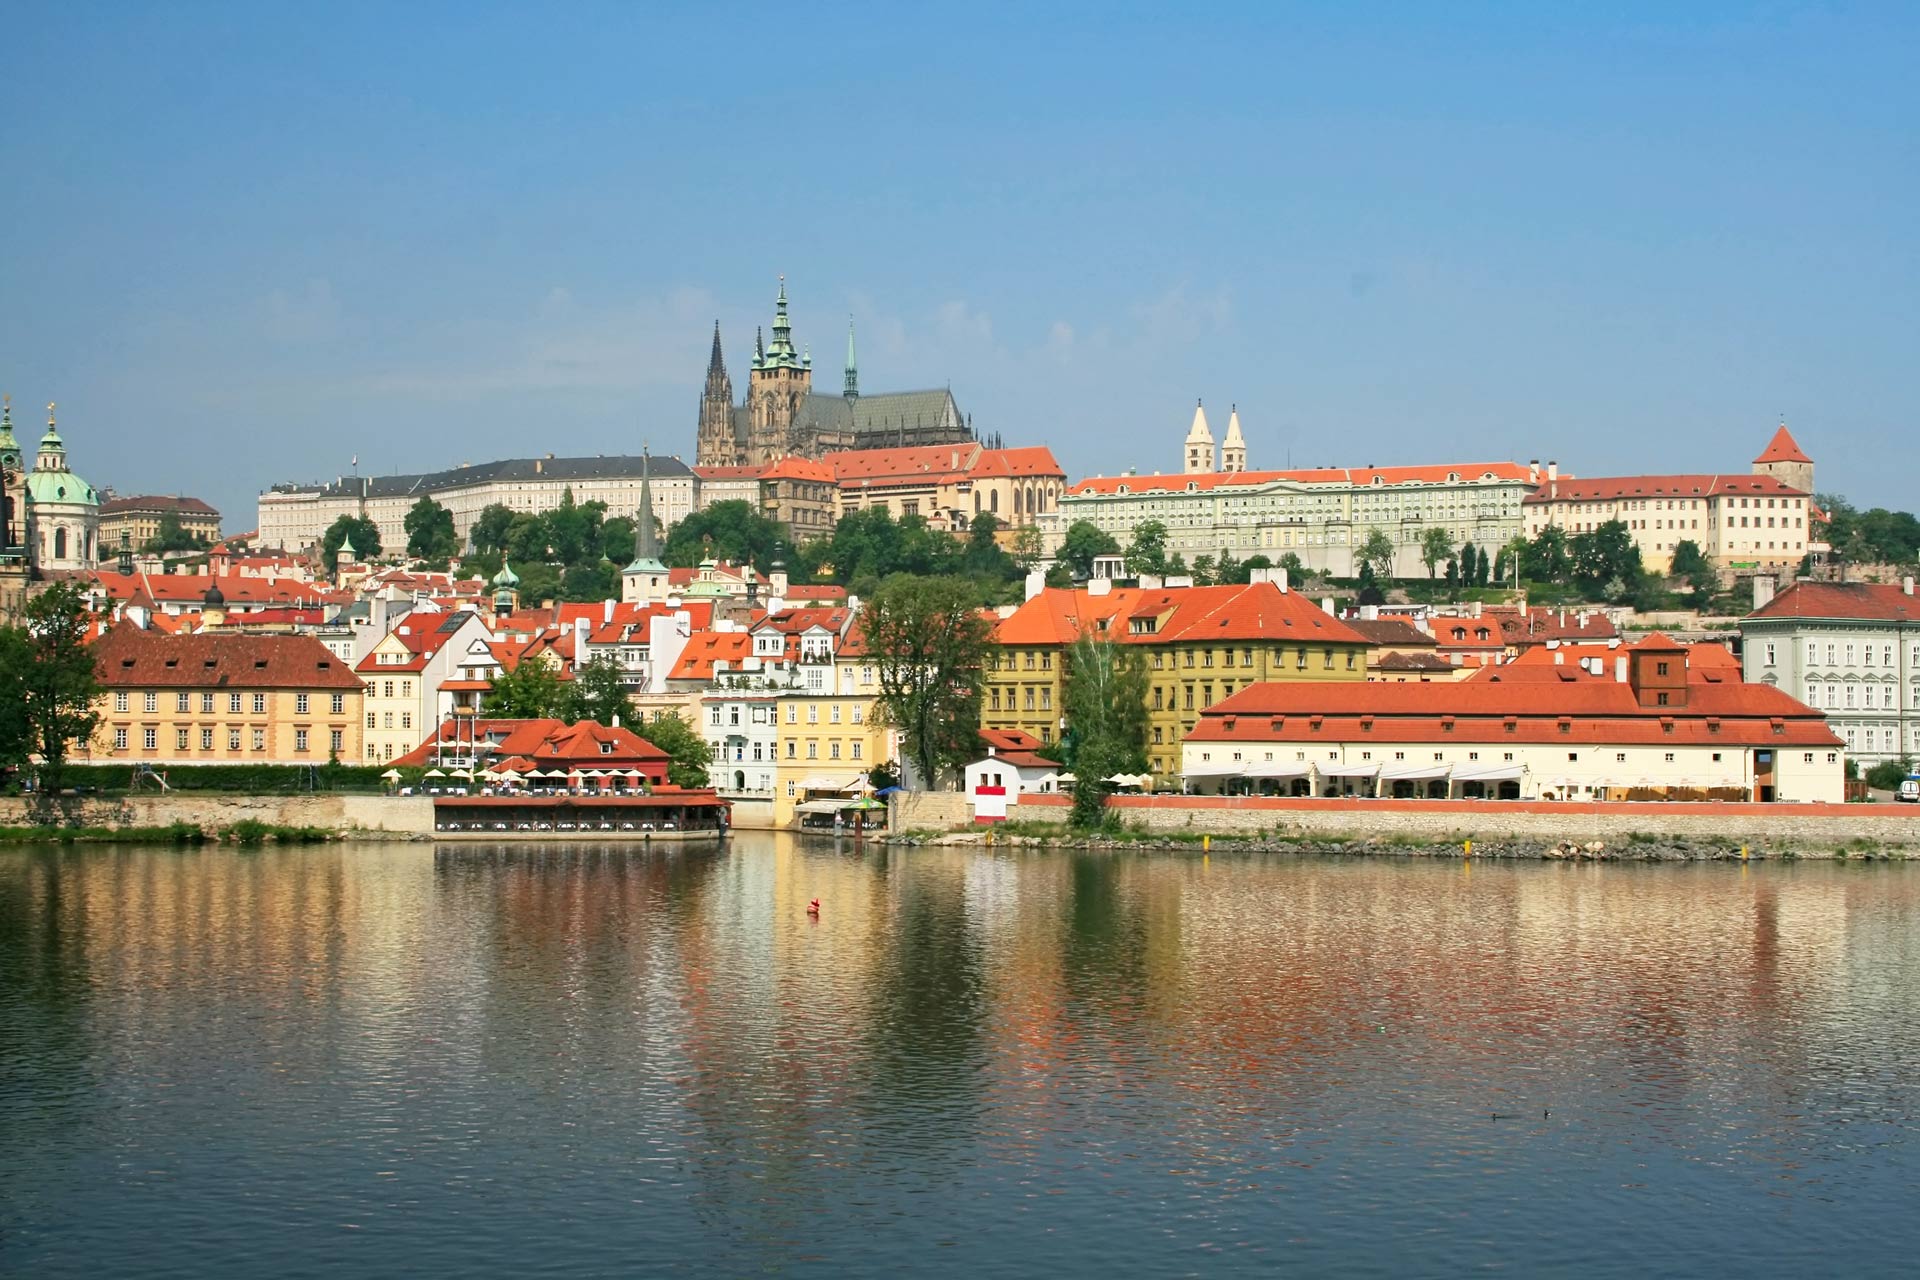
(506, 577)
(51, 482)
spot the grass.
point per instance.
(179, 833)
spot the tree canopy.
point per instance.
(929, 639)
(1106, 709)
(687, 752)
(1436, 547)
(1147, 553)
(430, 534)
(1085, 540)
(732, 530)
(1376, 552)
(48, 694)
(364, 532)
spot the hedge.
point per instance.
(253, 779)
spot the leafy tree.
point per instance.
(1227, 570)
(531, 691)
(1085, 540)
(1106, 708)
(1689, 562)
(590, 582)
(1605, 560)
(170, 536)
(1027, 547)
(47, 697)
(1203, 571)
(364, 532)
(687, 752)
(1376, 552)
(1469, 563)
(1547, 558)
(1436, 547)
(731, 530)
(529, 539)
(983, 556)
(572, 528)
(1369, 586)
(539, 582)
(597, 692)
(929, 637)
(1147, 553)
(429, 529)
(616, 540)
(489, 532)
(1511, 560)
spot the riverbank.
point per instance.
(323, 815)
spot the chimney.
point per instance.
(1476, 608)
(1036, 583)
(1559, 658)
(606, 612)
(1906, 584)
(1763, 587)
(1280, 580)
(1326, 605)
(1370, 613)
(1553, 479)
(1620, 669)
(1533, 472)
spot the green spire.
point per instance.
(780, 352)
(853, 366)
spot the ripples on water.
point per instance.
(391, 1060)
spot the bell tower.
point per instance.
(715, 442)
(780, 381)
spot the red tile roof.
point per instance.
(1468, 472)
(161, 502)
(1614, 488)
(1783, 448)
(703, 650)
(549, 744)
(1863, 600)
(128, 657)
(1396, 633)
(939, 464)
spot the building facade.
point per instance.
(1850, 649)
(139, 518)
(223, 698)
(782, 416)
(948, 485)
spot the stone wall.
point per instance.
(1440, 821)
(385, 816)
(930, 810)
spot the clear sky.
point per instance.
(245, 243)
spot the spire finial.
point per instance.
(49, 415)
(852, 390)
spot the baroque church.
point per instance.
(783, 416)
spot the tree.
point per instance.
(732, 530)
(597, 692)
(1469, 564)
(572, 529)
(1203, 571)
(1376, 552)
(687, 752)
(1605, 560)
(1147, 553)
(616, 540)
(531, 691)
(983, 555)
(49, 704)
(364, 532)
(1688, 562)
(430, 534)
(929, 637)
(489, 532)
(1028, 546)
(1085, 540)
(1436, 547)
(170, 536)
(1106, 708)
(1227, 570)
(1546, 558)
(528, 539)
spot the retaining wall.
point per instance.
(346, 814)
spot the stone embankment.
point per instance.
(348, 817)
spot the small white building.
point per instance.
(1011, 768)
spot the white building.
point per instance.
(1851, 649)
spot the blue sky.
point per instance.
(246, 243)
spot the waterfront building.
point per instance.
(1851, 649)
(296, 516)
(583, 755)
(1012, 767)
(1761, 522)
(1321, 515)
(1200, 644)
(404, 672)
(782, 416)
(63, 511)
(948, 485)
(139, 518)
(223, 697)
(1637, 727)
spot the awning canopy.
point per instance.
(1416, 773)
(1280, 769)
(1488, 773)
(831, 782)
(823, 806)
(1201, 771)
(1348, 770)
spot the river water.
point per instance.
(392, 1059)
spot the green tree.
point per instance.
(1376, 552)
(1028, 546)
(598, 691)
(1204, 573)
(1147, 553)
(1605, 560)
(430, 534)
(1106, 709)
(732, 530)
(1436, 547)
(531, 691)
(590, 582)
(687, 752)
(47, 696)
(1469, 563)
(571, 530)
(616, 540)
(364, 532)
(528, 539)
(929, 638)
(489, 532)
(1688, 562)
(1084, 540)
(1546, 558)
(1227, 570)
(983, 556)
(170, 536)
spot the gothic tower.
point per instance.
(779, 383)
(715, 445)
(1199, 445)
(1233, 450)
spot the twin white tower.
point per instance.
(1233, 450)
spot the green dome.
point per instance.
(61, 486)
(506, 577)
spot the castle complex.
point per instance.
(782, 416)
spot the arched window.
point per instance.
(60, 543)
(993, 502)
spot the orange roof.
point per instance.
(1865, 600)
(1034, 460)
(239, 589)
(1466, 472)
(548, 744)
(1783, 448)
(1179, 614)
(1613, 488)
(796, 468)
(128, 656)
(703, 650)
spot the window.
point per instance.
(833, 714)
(1620, 757)
(120, 702)
(793, 712)
(206, 739)
(233, 704)
(259, 739)
(386, 719)
(813, 713)
(791, 748)
(1660, 699)
(179, 739)
(370, 720)
(833, 749)
(182, 702)
(120, 738)
(335, 739)
(856, 750)
(206, 704)
(233, 738)
(259, 703)
(339, 703)
(150, 703)
(299, 739)
(859, 713)
(813, 751)
(1573, 756)
(406, 721)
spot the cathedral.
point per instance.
(783, 416)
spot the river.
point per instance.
(400, 1060)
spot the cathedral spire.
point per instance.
(853, 366)
(646, 547)
(780, 352)
(716, 362)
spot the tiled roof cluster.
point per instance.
(129, 657)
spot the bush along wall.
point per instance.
(239, 779)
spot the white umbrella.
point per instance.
(433, 773)
(508, 775)
(391, 775)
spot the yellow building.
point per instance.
(224, 698)
(1200, 644)
(948, 485)
(140, 517)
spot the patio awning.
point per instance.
(1203, 771)
(1416, 773)
(831, 782)
(1280, 769)
(822, 806)
(1348, 770)
(1488, 773)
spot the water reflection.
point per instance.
(594, 1057)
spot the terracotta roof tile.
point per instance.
(128, 657)
(1867, 600)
